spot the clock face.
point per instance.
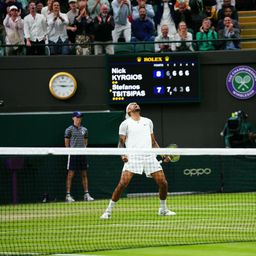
(63, 85)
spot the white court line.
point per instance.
(76, 255)
(33, 253)
(19, 253)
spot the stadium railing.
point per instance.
(129, 48)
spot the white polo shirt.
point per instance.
(138, 133)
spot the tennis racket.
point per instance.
(172, 158)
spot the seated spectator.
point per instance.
(35, 30)
(39, 7)
(183, 13)
(227, 13)
(121, 11)
(182, 37)
(57, 30)
(47, 9)
(165, 15)
(72, 14)
(84, 32)
(14, 27)
(234, 14)
(221, 2)
(94, 7)
(163, 46)
(149, 9)
(142, 28)
(229, 32)
(208, 34)
(103, 26)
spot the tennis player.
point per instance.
(76, 136)
(137, 132)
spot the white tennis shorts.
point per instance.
(138, 164)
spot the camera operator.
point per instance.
(238, 132)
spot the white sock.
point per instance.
(110, 206)
(163, 204)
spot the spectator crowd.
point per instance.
(85, 27)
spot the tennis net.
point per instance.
(212, 192)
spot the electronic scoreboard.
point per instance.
(156, 78)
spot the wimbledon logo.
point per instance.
(241, 82)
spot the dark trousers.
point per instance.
(36, 48)
(59, 48)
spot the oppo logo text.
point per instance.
(197, 171)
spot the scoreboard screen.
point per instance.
(158, 78)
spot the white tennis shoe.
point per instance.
(69, 199)
(88, 198)
(165, 212)
(105, 215)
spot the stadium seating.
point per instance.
(123, 48)
(247, 21)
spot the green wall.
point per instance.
(47, 130)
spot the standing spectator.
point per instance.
(103, 27)
(221, 2)
(229, 32)
(183, 13)
(57, 30)
(39, 7)
(84, 32)
(94, 7)
(226, 3)
(76, 136)
(6, 4)
(149, 9)
(142, 28)
(35, 30)
(14, 27)
(2, 38)
(165, 15)
(183, 38)
(211, 13)
(208, 34)
(164, 36)
(197, 14)
(72, 14)
(47, 9)
(121, 12)
(73, 11)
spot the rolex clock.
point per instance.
(62, 85)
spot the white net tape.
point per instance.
(123, 151)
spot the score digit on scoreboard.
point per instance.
(153, 79)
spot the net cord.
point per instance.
(125, 151)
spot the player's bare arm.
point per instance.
(154, 142)
(155, 145)
(86, 142)
(66, 142)
(121, 144)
